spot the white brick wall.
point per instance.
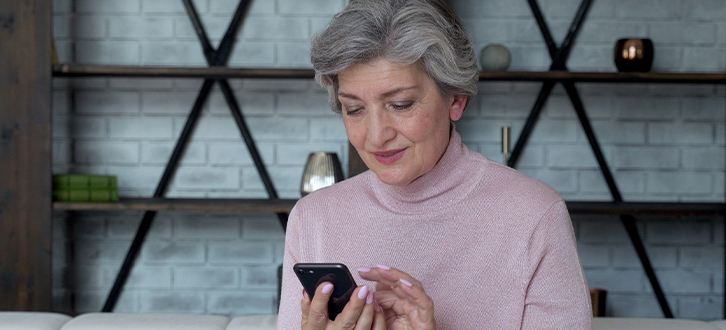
(664, 142)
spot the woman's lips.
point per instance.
(389, 156)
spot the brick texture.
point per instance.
(663, 142)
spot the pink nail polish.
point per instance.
(328, 288)
(364, 269)
(407, 283)
(384, 267)
(363, 292)
(378, 308)
(369, 299)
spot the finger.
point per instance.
(390, 303)
(386, 275)
(382, 287)
(318, 311)
(414, 294)
(305, 306)
(403, 297)
(367, 316)
(379, 319)
(348, 318)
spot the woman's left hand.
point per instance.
(405, 304)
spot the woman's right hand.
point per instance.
(361, 312)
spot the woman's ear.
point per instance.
(458, 104)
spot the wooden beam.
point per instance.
(25, 155)
(186, 204)
(81, 70)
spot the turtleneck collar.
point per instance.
(447, 183)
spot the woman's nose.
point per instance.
(380, 128)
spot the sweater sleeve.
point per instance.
(557, 295)
(290, 315)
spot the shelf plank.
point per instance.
(79, 70)
(606, 77)
(75, 70)
(285, 205)
(183, 204)
(646, 208)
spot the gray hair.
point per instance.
(403, 32)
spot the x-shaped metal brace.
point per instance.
(218, 57)
(559, 57)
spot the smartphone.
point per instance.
(311, 275)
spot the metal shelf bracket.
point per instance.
(559, 57)
(215, 58)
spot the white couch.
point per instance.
(120, 321)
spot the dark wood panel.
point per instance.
(25, 155)
(185, 204)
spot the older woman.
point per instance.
(441, 237)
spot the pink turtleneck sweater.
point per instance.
(493, 248)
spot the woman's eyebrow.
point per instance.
(385, 94)
(397, 90)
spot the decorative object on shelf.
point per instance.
(506, 137)
(495, 57)
(85, 188)
(634, 55)
(321, 170)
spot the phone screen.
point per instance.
(311, 275)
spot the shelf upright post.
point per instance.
(559, 57)
(220, 57)
(26, 160)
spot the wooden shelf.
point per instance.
(648, 208)
(77, 70)
(606, 77)
(285, 205)
(183, 204)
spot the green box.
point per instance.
(110, 195)
(90, 182)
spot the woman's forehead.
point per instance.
(380, 77)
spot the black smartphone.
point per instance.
(311, 275)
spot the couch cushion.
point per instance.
(619, 323)
(720, 324)
(32, 321)
(122, 321)
(254, 322)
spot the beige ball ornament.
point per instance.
(495, 57)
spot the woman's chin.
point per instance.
(393, 179)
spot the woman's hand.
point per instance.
(405, 304)
(359, 314)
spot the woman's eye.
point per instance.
(352, 111)
(401, 106)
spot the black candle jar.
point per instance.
(634, 55)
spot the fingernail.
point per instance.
(369, 299)
(363, 292)
(384, 267)
(377, 307)
(364, 269)
(407, 283)
(327, 288)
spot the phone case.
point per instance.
(311, 275)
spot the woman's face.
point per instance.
(396, 118)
